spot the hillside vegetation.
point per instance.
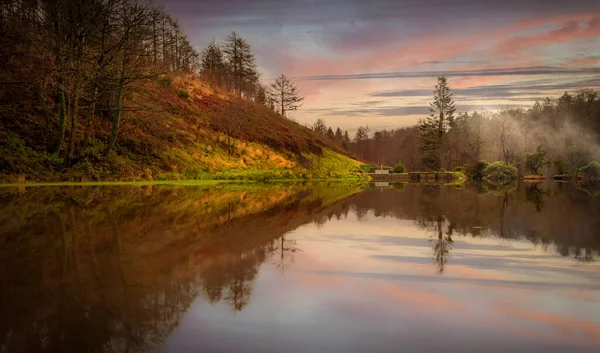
(112, 90)
(184, 129)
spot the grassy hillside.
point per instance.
(178, 128)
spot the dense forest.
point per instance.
(562, 134)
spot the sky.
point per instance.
(375, 62)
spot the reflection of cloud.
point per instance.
(420, 298)
(456, 280)
(570, 329)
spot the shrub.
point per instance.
(536, 160)
(183, 94)
(500, 173)
(475, 171)
(592, 170)
(367, 167)
(399, 168)
(459, 168)
(560, 166)
(165, 81)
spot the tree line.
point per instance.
(557, 136)
(232, 65)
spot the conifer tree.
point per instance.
(212, 65)
(435, 127)
(241, 65)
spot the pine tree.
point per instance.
(346, 137)
(212, 65)
(284, 94)
(330, 134)
(435, 127)
(338, 135)
(241, 65)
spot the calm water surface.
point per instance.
(299, 268)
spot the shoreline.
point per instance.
(190, 182)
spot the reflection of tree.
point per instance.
(361, 213)
(535, 195)
(285, 249)
(242, 275)
(432, 218)
(443, 244)
(102, 270)
(503, 207)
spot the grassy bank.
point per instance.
(175, 139)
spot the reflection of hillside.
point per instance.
(113, 269)
(557, 215)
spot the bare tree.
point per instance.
(285, 95)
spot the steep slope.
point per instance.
(177, 127)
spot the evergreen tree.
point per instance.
(212, 66)
(241, 65)
(330, 134)
(338, 135)
(435, 127)
(261, 96)
(284, 94)
(346, 137)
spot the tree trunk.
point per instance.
(62, 112)
(88, 128)
(74, 113)
(115, 123)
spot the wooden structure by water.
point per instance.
(415, 177)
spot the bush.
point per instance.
(560, 166)
(500, 173)
(165, 81)
(592, 170)
(183, 94)
(536, 160)
(459, 168)
(475, 171)
(367, 167)
(399, 168)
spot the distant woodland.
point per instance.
(553, 136)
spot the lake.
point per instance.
(336, 267)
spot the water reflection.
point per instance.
(116, 269)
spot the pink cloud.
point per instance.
(570, 30)
(442, 46)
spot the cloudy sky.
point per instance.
(375, 62)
